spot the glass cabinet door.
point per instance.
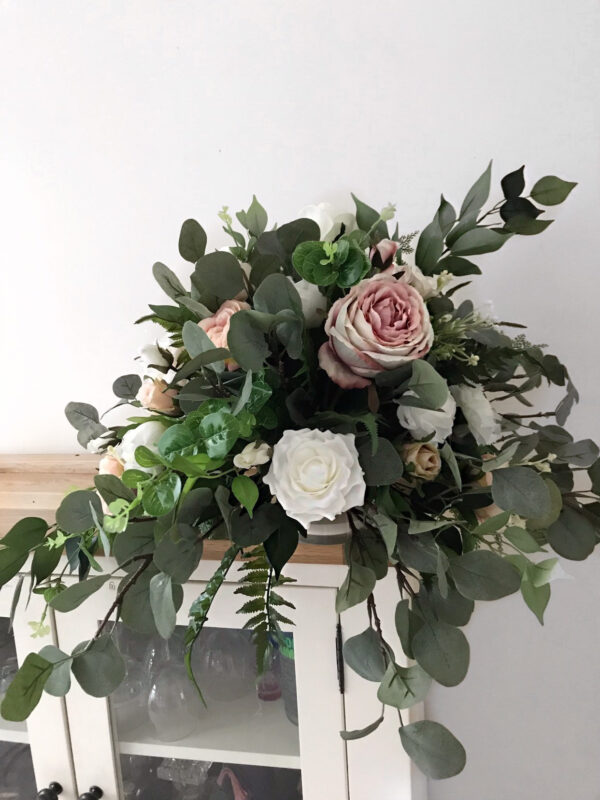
(270, 738)
(28, 762)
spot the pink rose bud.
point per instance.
(217, 326)
(379, 325)
(155, 396)
(382, 254)
(110, 465)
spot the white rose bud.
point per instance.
(316, 475)
(423, 422)
(314, 303)
(253, 455)
(481, 417)
(147, 435)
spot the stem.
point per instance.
(385, 648)
(122, 592)
(530, 416)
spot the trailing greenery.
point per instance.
(316, 369)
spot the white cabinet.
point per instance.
(278, 740)
(34, 754)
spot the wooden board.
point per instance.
(34, 485)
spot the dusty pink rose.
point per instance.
(110, 465)
(217, 326)
(155, 396)
(379, 325)
(382, 254)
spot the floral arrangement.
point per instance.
(317, 369)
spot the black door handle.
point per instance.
(95, 793)
(51, 793)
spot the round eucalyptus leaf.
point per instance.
(435, 751)
(481, 575)
(25, 690)
(572, 535)
(521, 490)
(74, 514)
(403, 687)
(363, 654)
(219, 274)
(443, 652)
(98, 666)
(192, 240)
(59, 682)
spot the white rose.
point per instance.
(316, 475)
(330, 223)
(314, 303)
(427, 286)
(423, 422)
(481, 417)
(253, 455)
(145, 435)
(150, 354)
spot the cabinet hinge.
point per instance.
(339, 654)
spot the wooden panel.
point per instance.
(34, 485)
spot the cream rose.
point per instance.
(316, 475)
(217, 326)
(155, 395)
(379, 325)
(424, 459)
(314, 303)
(110, 464)
(425, 422)
(481, 417)
(253, 455)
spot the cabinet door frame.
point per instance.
(322, 750)
(47, 726)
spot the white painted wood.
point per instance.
(377, 765)
(321, 753)
(46, 730)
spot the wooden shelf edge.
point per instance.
(33, 485)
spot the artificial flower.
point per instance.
(477, 409)
(216, 327)
(110, 464)
(330, 224)
(426, 422)
(382, 254)
(155, 395)
(423, 458)
(253, 455)
(379, 325)
(316, 474)
(314, 303)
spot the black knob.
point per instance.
(95, 793)
(51, 793)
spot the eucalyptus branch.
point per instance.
(116, 604)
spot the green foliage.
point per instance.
(550, 191)
(403, 687)
(435, 751)
(481, 575)
(429, 523)
(25, 691)
(192, 241)
(363, 654)
(342, 263)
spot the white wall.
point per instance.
(121, 119)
